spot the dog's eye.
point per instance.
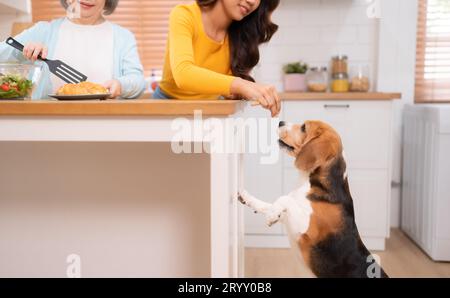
(303, 128)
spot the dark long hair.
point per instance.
(246, 35)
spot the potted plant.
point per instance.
(295, 77)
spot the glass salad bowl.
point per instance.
(18, 81)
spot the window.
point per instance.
(147, 19)
(433, 52)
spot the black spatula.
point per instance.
(57, 67)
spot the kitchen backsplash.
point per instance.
(315, 30)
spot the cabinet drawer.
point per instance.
(364, 126)
(370, 192)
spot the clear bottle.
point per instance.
(359, 78)
(317, 79)
(339, 64)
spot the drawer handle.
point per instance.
(336, 106)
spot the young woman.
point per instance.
(103, 51)
(213, 46)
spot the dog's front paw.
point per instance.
(242, 197)
(245, 198)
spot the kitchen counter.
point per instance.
(340, 96)
(121, 107)
(130, 188)
(329, 96)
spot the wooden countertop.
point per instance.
(146, 107)
(340, 96)
(329, 96)
(120, 107)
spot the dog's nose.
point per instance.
(281, 124)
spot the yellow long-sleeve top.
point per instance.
(196, 67)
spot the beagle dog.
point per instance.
(319, 216)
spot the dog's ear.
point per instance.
(318, 148)
(312, 155)
(312, 132)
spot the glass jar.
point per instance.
(359, 78)
(340, 83)
(317, 79)
(339, 64)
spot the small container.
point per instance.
(317, 79)
(359, 78)
(340, 83)
(294, 82)
(339, 64)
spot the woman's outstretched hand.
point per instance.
(265, 95)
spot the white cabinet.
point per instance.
(370, 191)
(366, 131)
(363, 126)
(426, 178)
(262, 180)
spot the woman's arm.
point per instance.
(132, 80)
(35, 34)
(187, 74)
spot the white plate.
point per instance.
(81, 97)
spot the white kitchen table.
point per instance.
(47, 222)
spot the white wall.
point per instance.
(314, 31)
(7, 18)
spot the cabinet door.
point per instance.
(262, 180)
(364, 127)
(370, 190)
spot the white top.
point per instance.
(88, 49)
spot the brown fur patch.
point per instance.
(325, 220)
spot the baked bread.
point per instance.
(83, 88)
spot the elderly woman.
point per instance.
(103, 51)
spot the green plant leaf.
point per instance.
(296, 67)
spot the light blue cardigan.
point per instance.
(127, 66)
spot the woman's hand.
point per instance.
(265, 95)
(32, 50)
(114, 87)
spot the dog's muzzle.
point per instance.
(283, 145)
